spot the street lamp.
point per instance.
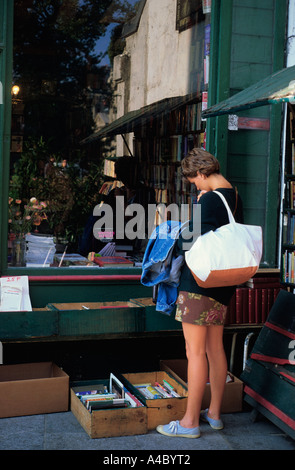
(15, 90)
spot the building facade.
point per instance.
(199, 55)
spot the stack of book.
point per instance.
(71, 260)
(252, 301)
(40, 250)
(157, 390)
(288, 267)
(114, 395)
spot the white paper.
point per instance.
(15, 294)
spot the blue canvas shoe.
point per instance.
(174, 429)
(214, 423)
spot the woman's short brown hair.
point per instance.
(198, 160)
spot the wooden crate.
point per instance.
(73, 319)
(108, 422)
(163, 410)
(154, 320)
(233, 392)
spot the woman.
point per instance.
(203, 311)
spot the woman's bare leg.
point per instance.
(217, 368)
(197, 373)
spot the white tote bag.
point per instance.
(227, 256)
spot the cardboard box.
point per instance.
(107, 422)
(162, 410)
(233, 392)
(35, 388)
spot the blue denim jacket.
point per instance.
(161, 266)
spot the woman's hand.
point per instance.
(201, 194)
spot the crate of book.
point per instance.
(33, 388)
(107, 408)
(233, 392)
(89, 318)
(164, 397)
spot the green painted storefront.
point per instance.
(247, 44)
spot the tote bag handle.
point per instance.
(229, 212)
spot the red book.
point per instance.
(258, 305)
(270, 298)
(239, 304)
(264, 300)
(263, 282)
(112, 261)
(245, 309)
(251, 305)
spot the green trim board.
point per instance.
(276, 88)
(219, 79)
(6, 44)
(249, 157)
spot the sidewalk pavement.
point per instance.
(62, 431)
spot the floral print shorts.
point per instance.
(199, 309)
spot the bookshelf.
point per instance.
(161, 146)
(288, 211)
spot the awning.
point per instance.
(276, 88)
(142, 117)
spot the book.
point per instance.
(14, 294)
(264, 304)
(71, 260)
(112, 261)
(134, 402)
(231, 311)
(240, 294)
(267, 282)
(251, 305)
(102, 396)
(157, 391)
(258, 305)
(270, 301)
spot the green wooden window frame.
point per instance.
(6, 45)
(217, 133)
(218, 137)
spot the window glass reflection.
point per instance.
(61, 94)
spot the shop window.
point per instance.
(60, 95)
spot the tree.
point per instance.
(54, 53)
(57, 69)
